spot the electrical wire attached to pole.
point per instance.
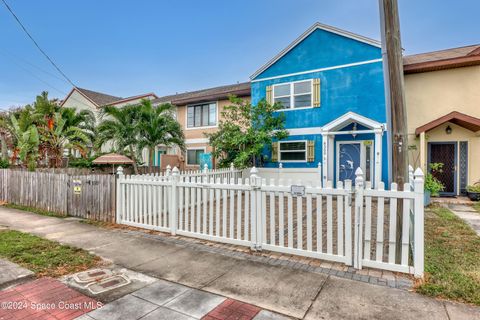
(36, 44)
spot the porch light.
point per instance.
(354, 129)
(448, 130)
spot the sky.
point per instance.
(127, 48)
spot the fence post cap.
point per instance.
(280, 165)
(232, 167)
(319, 165)
(254, 170)
(120, 170)
(418, 173)
(175, 171)
(359, 172)
(205, 167)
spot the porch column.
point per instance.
(423, 154)
(324, 159)
(378, 157)
(331, 157)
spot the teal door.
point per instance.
(159, 157)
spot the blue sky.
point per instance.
(130, 47)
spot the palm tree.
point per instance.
(158, 126)
(24, 135)
(66, 129)
(119, 127)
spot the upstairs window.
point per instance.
(294, 94)
(202, 115)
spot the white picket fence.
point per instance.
(355, 225)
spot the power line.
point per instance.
(36, 44)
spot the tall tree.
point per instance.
(118, 129)
(66, 129)
(158, 126)
(25, 137)
(245, 131)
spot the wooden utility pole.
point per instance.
(396, 110)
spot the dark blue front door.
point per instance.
(348, 160)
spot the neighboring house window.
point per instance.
(294, 94)
(295, 151)
(202, 115)
(193, 156)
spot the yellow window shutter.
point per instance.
(269, 95)
(316, 92)
(310, 151)
(274, 157)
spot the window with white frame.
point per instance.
(194, 156)
(294, 151)
(293, 94)
(202, 115)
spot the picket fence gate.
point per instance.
(351, 223)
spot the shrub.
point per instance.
(432, 184)
(4, 164)
(474, 188)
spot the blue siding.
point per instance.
(358, 88)
(322, 49)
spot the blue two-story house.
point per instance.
(330, 83)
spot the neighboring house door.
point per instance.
(446, 153)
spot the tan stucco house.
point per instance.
(199, 112)
(442, 90)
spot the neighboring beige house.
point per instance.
(442, 91)
(199, 112)
(83, 99)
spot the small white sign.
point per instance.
(297, 191)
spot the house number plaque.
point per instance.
(297, 191)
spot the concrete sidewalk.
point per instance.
(283, 289)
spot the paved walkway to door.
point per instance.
(291, 291)
(468, 214)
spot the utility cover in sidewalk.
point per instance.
(92, 275)
(108, 284)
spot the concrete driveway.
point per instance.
(290, 291)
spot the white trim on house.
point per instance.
(310, 30)
(198, 140)
(287, 151)
(348, 65)
(348, 118)
(330, 130)
(201, 104)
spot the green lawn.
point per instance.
(452, 258)
(44, 257)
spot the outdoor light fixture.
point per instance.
(448, 130)
(354, 129)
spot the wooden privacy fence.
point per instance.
(351, 223)
(84, 196)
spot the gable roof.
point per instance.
(309, 31)
(101, 99)
(205, 95)
(458, 118)
(442, 59)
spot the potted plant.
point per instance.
(432, 185)
(473, 191)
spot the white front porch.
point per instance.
(337, 128)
